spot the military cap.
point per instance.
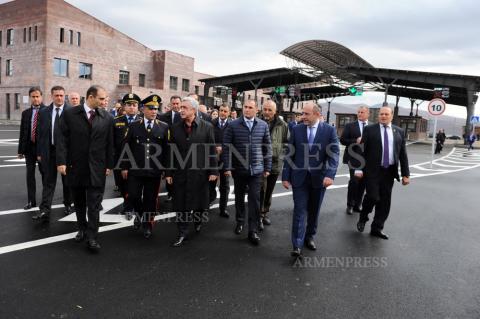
(131, 97)
(152, 100)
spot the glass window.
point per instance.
(197, 90)
(85, 71)
(141, 80)
(60, 67)
(10, 34)
(79, 38)
(35, 34)
(62, 35)
(24, 35)
(124, 77)
(185, 85)
(70, 37)
(9, 68)
(173, 83)
(1, 40)
(29, 34)
(17, 101)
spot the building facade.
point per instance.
(50, 42)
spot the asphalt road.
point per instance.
(428, 269)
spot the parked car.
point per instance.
(454, 137)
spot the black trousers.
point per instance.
(50, 182)
(240, 181)
(224, 188)
(356, 189)
(266, 191)
(186, 218)
(31, 163)
(143, 195)
(379, 195)
(87, 202)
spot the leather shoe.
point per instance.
(147, 232)
(253, 238)
(266, 221)
(349, 210)
(93, 245)
(296, 252)
(379, 234)
(260, 225)
(29, 205)
(360, 226)
(198, 227)
(80, 236)
(239, 229)
(357, 209)
(224, 214)
(310, 244)
(68, 210)
(41, 215)
(128, 215)
(136, 223)
(179, 242)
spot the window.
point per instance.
(60, 67)
(185, 85)
(8, 105)
(35, 34)
(70, 34)
(24, 35)
(124, 77)
(197, 90)
(10, 37)
(29, 34)
(9, 68)
(17, 101)
(1, 40)
(141, 80)
(85, 71)
(173, 83)
(78, 38)
(62, 35)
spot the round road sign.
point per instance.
(436, 107)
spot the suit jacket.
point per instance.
(373, 152)
(204, 116)
(44, 133)
(25, 145)
(349, 138)
(86, 150)
(167, 118)
(321, 160)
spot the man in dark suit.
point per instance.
(351, 136)
(297, 120)
(147, 139)
(48, 127)
(190, 174)
(121, 124)
(383, 149)
(85, 157)
(220, 124)
(309, 168)
(247, 155)
(27, 142)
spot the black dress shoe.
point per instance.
(239, 229)
(29, 205)
(93, 245)
(198, 228)
(179, 242)
(80, 236)
(379, 234)
(360, 226)
(357, 209)
(266, 221)
(128, 215)
(224, 214)
(296, 252)
(41, 215)
(67, 211)
(310, 244)
(116, 188)
(136, 223)
(147, 232)
(260, 225)
(349, 210)
(253, 238)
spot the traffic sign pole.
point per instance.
(433, 143)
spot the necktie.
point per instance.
(149, 126)
(55, 125)
(222, 123)
(363, 127)
(130, 119)
(311, 137)
(249, 124)
(386, 162)
(34, 125)
(92, 116)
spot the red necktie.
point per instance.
(34, 125)
(92, 116)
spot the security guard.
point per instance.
(130, 103)
(146, 141)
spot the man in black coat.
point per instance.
(384, 150)
(27, 142)
(85, 157)
(121, 124)
(48, 127)
(249, 136)
(220, 124)
(192, 165)
(351, 136)
(147, 142)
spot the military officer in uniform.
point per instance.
(130, 102)
(145, 146)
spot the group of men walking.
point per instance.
(193, 154)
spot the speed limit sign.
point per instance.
(436, 107)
